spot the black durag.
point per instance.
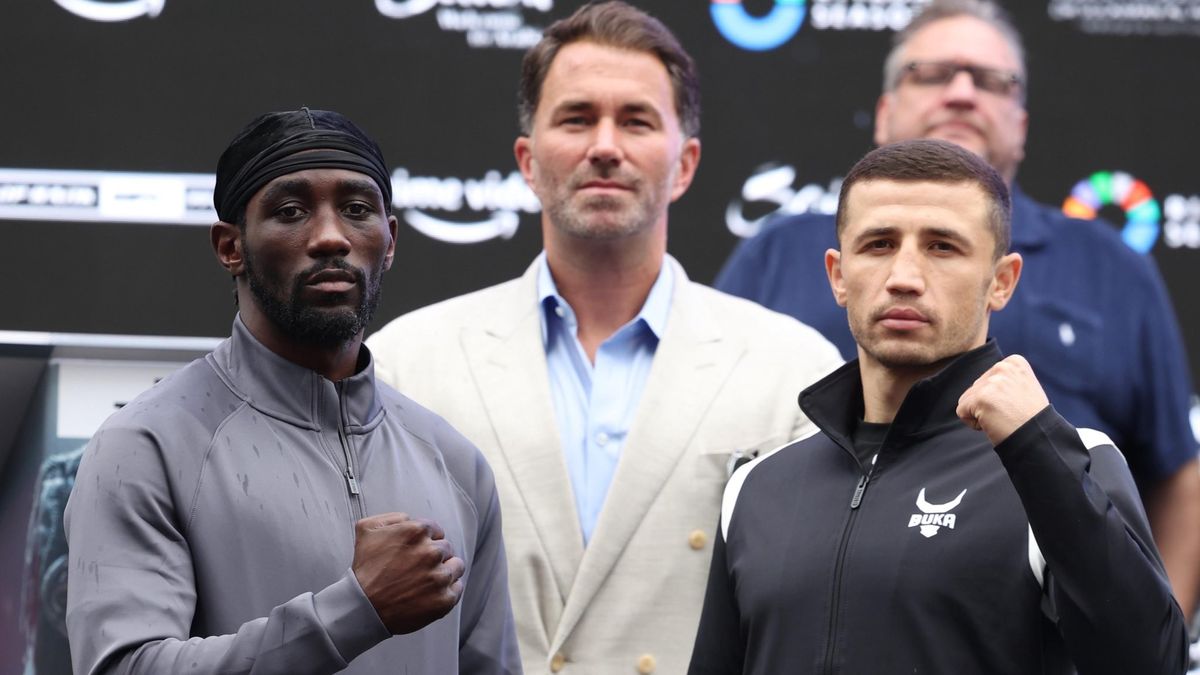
(279, 143)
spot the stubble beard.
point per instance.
(324, 327)
(603, 217)
(898, 355)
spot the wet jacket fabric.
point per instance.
(945, 555)
(211, 528)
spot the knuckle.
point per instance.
(427, 527)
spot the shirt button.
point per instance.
(601, 439)
(560, 311)
(1066, 334)
(557, 662)
(646, 664)
(697, 539)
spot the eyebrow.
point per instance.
(574, 106)
(299, 186)
(360, 185)
(882, 231)
(935, 232)
(286, 187)
(582, 105)
(945, 233)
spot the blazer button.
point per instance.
(697, 539)
(557, 662)
(646, 664)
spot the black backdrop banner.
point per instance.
(118, 109)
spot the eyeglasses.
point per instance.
(940, 73)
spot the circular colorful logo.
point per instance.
(1102, 188)
(758, 33)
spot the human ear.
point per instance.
(833, 269)
(1006, 274)
(226, 240)
(523, 151)
(689, 159)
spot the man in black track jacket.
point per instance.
(945, 519)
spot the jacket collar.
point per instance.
(835, 403)
(293, 393)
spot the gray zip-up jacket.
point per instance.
(211, 528)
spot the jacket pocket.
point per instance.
(714, 462)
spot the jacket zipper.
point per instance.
(836, 592)
(351, 481)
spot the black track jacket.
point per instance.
(946, 556)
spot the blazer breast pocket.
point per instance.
(717, 462)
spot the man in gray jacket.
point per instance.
(271, 508)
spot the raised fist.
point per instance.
(1005, 397)
(407, 569)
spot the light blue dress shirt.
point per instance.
(595, 404)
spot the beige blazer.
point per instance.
(725, 377)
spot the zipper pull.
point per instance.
(352, 483)
(859, 490)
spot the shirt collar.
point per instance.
(653, 314)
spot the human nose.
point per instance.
(960, 90)
(328, 237)
(605, 148)
(907, 273)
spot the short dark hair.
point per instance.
(937, 162)
(984, 10)
(612, 24)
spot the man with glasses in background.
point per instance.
(1093, 316)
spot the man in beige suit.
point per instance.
(609, 393)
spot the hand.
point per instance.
(407, 569)
(1005, 397)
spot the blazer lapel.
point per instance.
(691, 365)
(508, 361)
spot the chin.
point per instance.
(966, 140)
(901, 354)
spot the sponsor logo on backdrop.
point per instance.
(1104, 188)
(119, 10)
(1129, 17)
(771, 191)
(463, 210)
(449, 209)
(757, 33)
(484, 23)
(784, 19)
(1181, 221)
(106, 196)
(1176, 222)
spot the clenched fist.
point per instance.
(1005, 397)
(407, 569)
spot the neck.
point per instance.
(334, 363)
(884, 388)
(606, 283)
